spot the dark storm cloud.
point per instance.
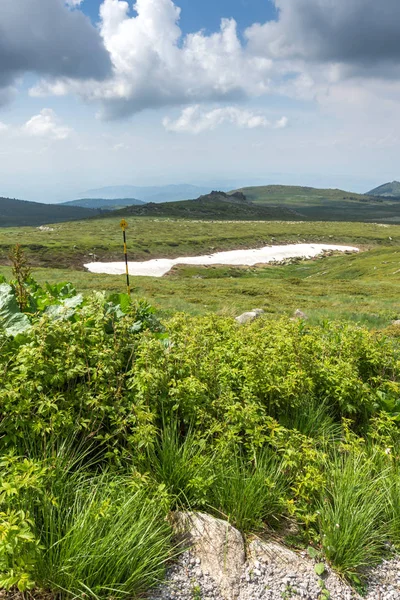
(47, 38)
(353, 32)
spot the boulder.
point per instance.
(219, 547)
(249, 316)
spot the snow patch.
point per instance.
(160, 266)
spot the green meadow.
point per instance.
(363, 287)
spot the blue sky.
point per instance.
(207, 14)
(281, 91)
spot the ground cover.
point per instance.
(110, 419)
(362, 288)
(73, 244)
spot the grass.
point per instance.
(70, 245)
(274, 422)
(249, 494)
(314, 204)
(101, 538)
(363, 288)
(352, 515)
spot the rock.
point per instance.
(298, 314)
(396, 322)
(249, 316)
(218, 546)
(271, 552)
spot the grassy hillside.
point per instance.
(314, 204)
(14, 213)
(72, 244)
(216, 205)
(363, 287)
(387, 189)
(104, 203)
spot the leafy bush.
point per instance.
(103, 410)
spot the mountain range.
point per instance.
(250, 203)
(164, 193)
(104, 203)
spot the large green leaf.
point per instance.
(12, 321)
(66, 309)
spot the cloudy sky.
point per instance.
(228, 92)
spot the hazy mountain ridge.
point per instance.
(156, 193)
(104, 203)
(272, 202)
(18, 213)
(216, 205)
(387, 190)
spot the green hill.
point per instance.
(17, 213)
(104, 203)
(312, 204)
(217, 205)
(387, 190)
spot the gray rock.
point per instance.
(218, 546)
(249, 316)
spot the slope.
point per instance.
(312, 204)
(17, 213)
(388, 190)
(217, 205)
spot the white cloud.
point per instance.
(154, 65)
(3, 127)
(314, 51)
(46, 38)
(46, 125)
(194, 119)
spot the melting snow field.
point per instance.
(160, 266)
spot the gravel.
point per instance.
(270, 580)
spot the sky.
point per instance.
(212, 92)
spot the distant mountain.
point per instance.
(387, 190)
(165, 193)
(104, 203)
(18, 213)
(216, 205)
(313, 204)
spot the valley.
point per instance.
(364, 287)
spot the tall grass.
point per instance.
(250, 495)
(312, 419)
(100, 538)
(352, 515)
(182, 463)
